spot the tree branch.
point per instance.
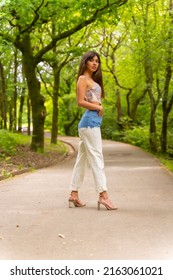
(73, 30)
(35, 18)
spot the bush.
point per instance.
(7, 143)
(138, 136)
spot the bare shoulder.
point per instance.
(82, 78)
(82, 81)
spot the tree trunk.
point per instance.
(153, 134)
(119, 109)
(54, 132)
(28, 116)
(37, 100)
(166, 108)
(14, 114)
(149, 83)
(134, 107)
(163, 137)
(3, 109)
(166, 104)
(10, 108)
(22, 99)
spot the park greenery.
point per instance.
(41, 44)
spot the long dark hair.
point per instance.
(97, 75)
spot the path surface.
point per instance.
(36, 223)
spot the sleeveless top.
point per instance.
(94, 93)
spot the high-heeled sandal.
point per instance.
(107, 203)
(74, 201)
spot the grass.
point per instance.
(10, 141)
(59, 147)
(15, 154)
(168, 162)
(139, 136)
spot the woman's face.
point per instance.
(93, 64)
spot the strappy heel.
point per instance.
(74, 200)
(105, 201)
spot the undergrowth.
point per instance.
(139, 136)
(16, 155)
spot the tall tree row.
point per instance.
(138, 54)
(41, 43)
(27, 25)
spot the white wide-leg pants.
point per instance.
(89, 152)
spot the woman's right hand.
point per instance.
(100, 113)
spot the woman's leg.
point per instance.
(78, 176)
(92, 141)
(79, 168)
(93, 145)
(90, 151)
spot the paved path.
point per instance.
(36, 223)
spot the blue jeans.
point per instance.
(90, 119)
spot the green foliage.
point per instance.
(126, 131)
(129, 39)
(167, 162)
(137, 136)
(9, 141)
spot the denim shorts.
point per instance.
(90, 119)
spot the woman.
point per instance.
(89, 93)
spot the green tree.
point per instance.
(22, 23)
(3, 108)
(167, 98)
